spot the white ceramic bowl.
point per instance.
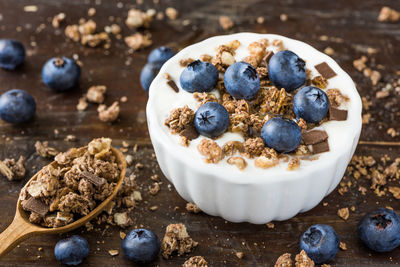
(254, 195)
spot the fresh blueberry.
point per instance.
(281, 134)
(287, 70)
(160, 55)
(12, 54)
(311, 104)
(320, 242)
(199, 76)
(61, 74)
(211, 119)
(141, 246)
(17, 106)
(242, 81)
(72, 251)
(380, 230)
(149, 72)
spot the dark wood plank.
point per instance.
(353, 24)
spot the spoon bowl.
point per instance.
(21, 228)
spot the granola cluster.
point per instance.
(13, 170)
(247, 117)
(301, 260)
(73, 186)
(177, 239)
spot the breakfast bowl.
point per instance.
(251, 194)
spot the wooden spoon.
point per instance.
(21, 229)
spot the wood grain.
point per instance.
(351, 26)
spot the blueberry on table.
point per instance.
(17, 106)
(311, 104)
(61, 74)
(148, 73)
(320, 242)
(380, 230)
(242, 81)
(141, 246)
(199, 76)
(281, 134)
(12, 54)
(160, 55)
(211, 119)
(72, 250)
(287, 70)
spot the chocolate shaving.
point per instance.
(268, 56)
(320, 147)
(189, 132)
(94, 179)
(173, 85)
(337, 114)
(326, 71)
(314, 137)
(35, 205)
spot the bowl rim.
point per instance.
(159, 136)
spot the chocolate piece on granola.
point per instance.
(173, 86)
(35, 205)
(267, 57)
(196, 261)
(336, 114)
(320, 147)
(94, 179)
(189, 132)
(326, 71)
(177, 239)
(314, 137)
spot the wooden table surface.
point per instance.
(351, 26)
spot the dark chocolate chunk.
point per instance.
(35, 205)
(320, 147)
(189, 132)
(337, 114)
(314, 137)
(94, 179)
(268, 56)
(173, 85)
(326, 71)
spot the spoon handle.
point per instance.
(15, 233)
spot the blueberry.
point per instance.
(17, 106)
(12, 54)
(281, 134)
(71, 251)
(61, 74)
(320, 242)
(199, 76)
(211, 119)
(380, 230)
(149, 72)
(141, 246)
(160, 55)
(287, 70)
(242, 81)
(311, 104)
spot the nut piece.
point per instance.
(284, 260)
(191, 207)
(238, 161)
(211, 150)
(108, 114)
(95, 94)
(265, 163)
(196, 261)
(177, 239)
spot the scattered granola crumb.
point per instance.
(124, 99)
(138, 41)
(392, 132)
(108, 114)
(395, 190)
(293, 164)
(283, 17)
(270, 225)
(329, 51)
(240, 255)
(113, 252)
(153, 190)
(171, 13)
(137, 19)
(191, 207)
(177, 239)
(184, 62)
(153, 208)
(122, 235)
(91, 12)
(31, 8)
(122, 219)
(13, 170)
(58, 19)
(285, 260)
(196, 261)
(82, 104)
(343, 213)
(343, 246)
(43, 149)
(388, 14)
(302, 260)
(226, 22)
(211, 150)
(260, 20)
(70, 138)
(95, 94)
